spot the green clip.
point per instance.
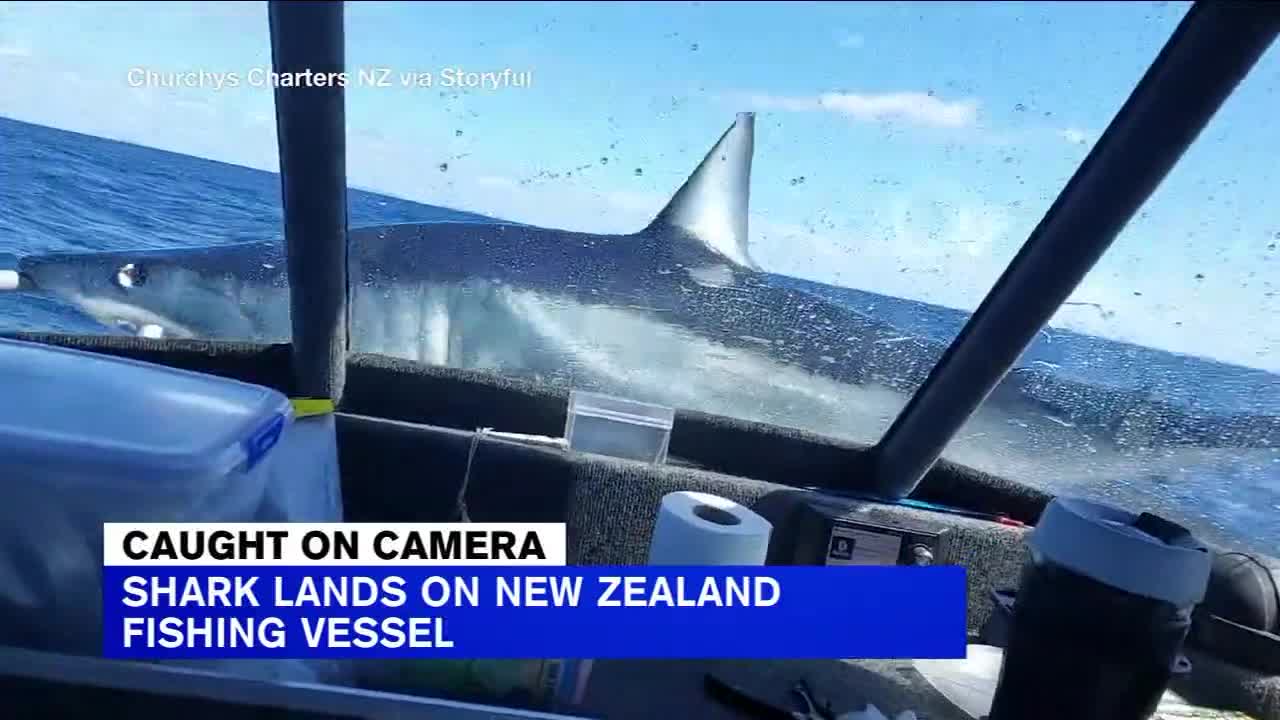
(310, 407)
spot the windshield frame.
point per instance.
(311, 134)
(1205, 59)
(1199, 67)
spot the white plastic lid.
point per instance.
(621, 410)
(93, 414)
(1103, 543)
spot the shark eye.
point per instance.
(130, 276)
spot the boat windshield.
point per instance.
(898, 156)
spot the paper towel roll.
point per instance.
(696, 528)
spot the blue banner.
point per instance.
(171, 612)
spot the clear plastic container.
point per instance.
(303, 482)
(87, 439)
(606, 425)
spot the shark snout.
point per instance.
(54, 274)
(16, 280)
(19, 275)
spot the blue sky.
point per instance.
(901, 148)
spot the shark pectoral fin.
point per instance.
(711, 207)
(150, 330)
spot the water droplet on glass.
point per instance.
(444, 167)
(639, 172)
(1020, 107)
(604, 161)
(457, 133)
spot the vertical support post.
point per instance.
(307, 42)
(1211, 51)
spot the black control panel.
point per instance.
(812, 529)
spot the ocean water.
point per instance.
(62, 191)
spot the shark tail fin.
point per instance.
(711, 207)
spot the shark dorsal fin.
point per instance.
(711, 207)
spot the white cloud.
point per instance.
(914, 108)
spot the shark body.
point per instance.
(676, 313)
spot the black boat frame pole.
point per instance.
(307, 37)
(1212, 50)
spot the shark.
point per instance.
(611, 312)
(676, 313)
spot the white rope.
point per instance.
(463, 516)
(536, 440)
